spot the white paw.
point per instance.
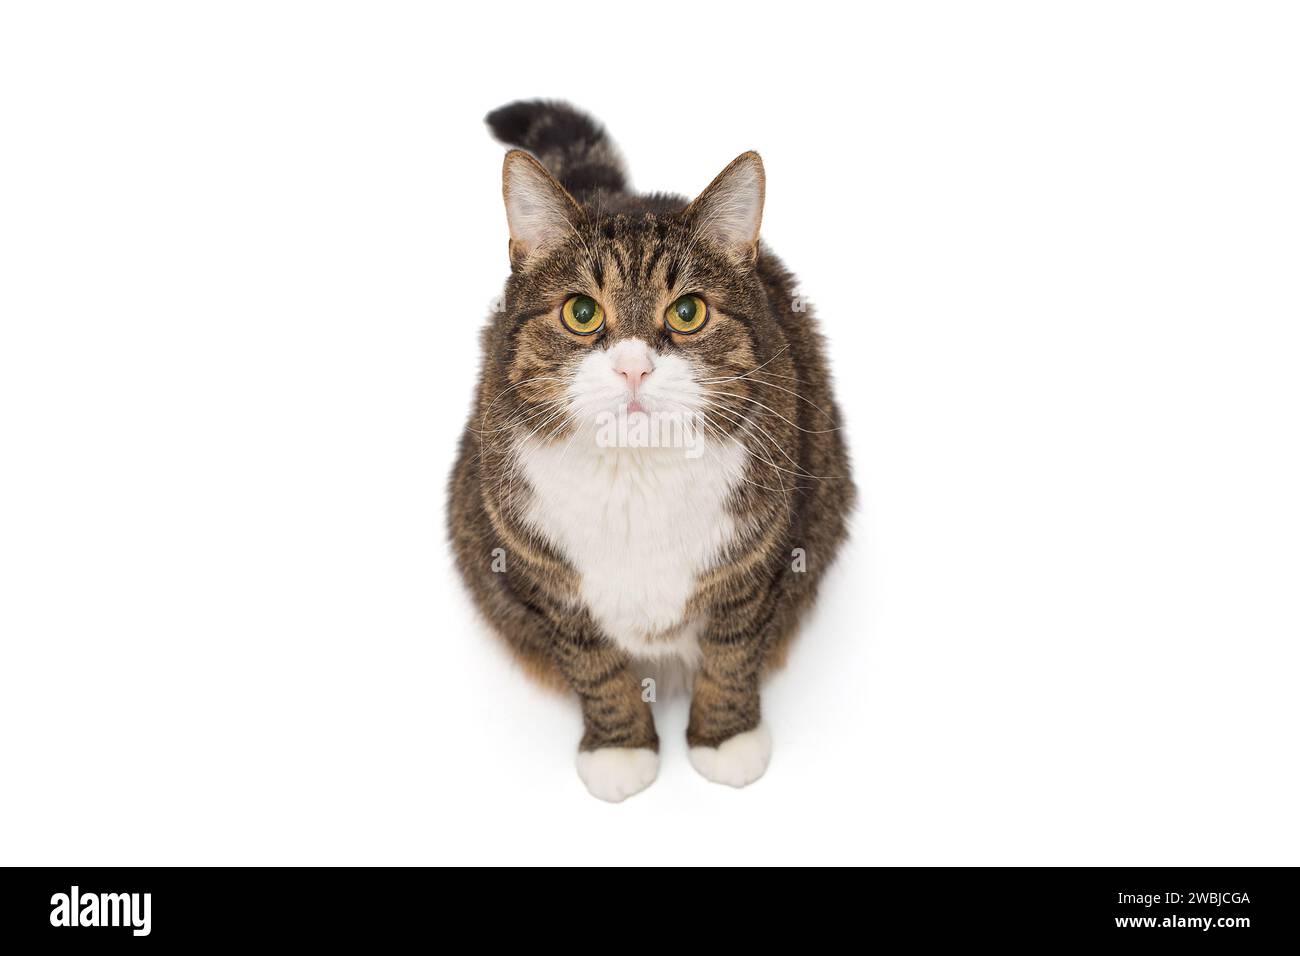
(615, 773)
(739, 761)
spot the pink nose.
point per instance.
(633, 368)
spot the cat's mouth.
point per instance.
(625, 405)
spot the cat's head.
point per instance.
(646, 306)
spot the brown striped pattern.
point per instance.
(636, 255)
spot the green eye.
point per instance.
(582, 315)
(688, 314)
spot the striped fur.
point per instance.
(760, 371)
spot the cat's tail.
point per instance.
(573, 146)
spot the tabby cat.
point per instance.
(653, 472)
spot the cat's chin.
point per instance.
(621, 409)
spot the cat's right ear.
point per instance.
(538, 208)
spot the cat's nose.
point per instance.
(634, 369)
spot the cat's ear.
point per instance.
(538, 208)
(730, 211)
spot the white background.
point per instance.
(245, 254)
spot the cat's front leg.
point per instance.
(728, 741)
(619, 752)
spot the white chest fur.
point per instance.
(639, 525)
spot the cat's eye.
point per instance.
(688, 314)
(582, 315)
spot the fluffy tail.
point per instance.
(572, 145)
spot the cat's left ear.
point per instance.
(730, 211)
(538, 208)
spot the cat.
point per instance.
(602, 561)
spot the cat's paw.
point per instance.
(615, 773)
(738, 761)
